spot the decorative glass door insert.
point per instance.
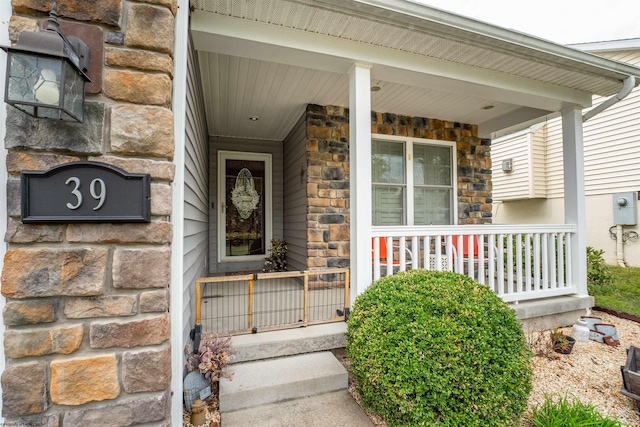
(245, 214)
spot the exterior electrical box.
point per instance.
(625, 208)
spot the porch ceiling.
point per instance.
(272, 57)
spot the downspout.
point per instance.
(619, 246)
(627, 87)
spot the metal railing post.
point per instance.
(250, 303)
(306, 297)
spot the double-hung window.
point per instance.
(413, 181)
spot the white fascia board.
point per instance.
(510, 136)
(233, 36)
(608, 46)
(514, 118)
(432, 19)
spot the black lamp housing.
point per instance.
(46, 73)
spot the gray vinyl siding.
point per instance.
(196, 191)
(295, 196)
(250, 146)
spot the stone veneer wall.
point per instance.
(87, 320)
(328, 174)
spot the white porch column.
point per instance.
(574, 193)
(360, 177)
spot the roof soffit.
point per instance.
(222, 34)
(429, 32)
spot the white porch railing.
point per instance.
(518, 262)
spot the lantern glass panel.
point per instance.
(22, 75)
(47, 87)
(34, 79)
(74, 93)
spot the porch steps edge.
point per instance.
(542, 315)
(274, 344)
(276, 380)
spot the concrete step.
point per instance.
(276, 380)
(266, 345)
(335, 409)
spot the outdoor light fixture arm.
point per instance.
(79, 51)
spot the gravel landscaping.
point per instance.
(591, 372)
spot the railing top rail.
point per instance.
(434, 230)
(328, 271)
(270, 275)
(213, 279)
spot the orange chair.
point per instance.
(466, 254)
(384, 254)
(465, 246)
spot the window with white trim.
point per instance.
(413, 181)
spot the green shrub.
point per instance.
(599, 273)
(438, 349)
(565, 413)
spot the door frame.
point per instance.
(223, 155)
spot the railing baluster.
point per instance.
(519, 263)
(561, 260)
(568, 258)
(460, 258)
(426, 244)
(415, 254)
(500, 278)
(402, 253)
(527, 257)
(389, 256)
(510, 287)
(553, 282)
(536, 261)
(491, 276)
(545, 261)
(470, 256)
(481, 272)
(376, 258)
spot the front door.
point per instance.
(245, 211)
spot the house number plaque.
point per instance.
(85, 192)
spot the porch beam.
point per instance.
(574, 194)
(360, 176)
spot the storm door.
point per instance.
(245, 208)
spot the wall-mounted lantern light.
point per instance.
(46, 73)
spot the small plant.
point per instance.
(541, 345)
(560, 342)
(277, 260)
(213, 356)
(569, 413)
(599, 273)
